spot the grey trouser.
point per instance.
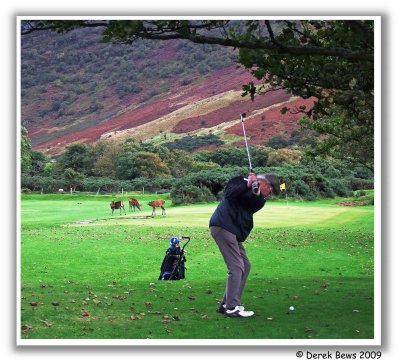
(237, 262)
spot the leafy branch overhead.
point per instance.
(331, 61)
(229, 35)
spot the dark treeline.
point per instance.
(109, 167)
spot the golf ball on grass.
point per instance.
(291, 308)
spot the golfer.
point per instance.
(230, 225)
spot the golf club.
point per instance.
(254, 186)
(242, 116)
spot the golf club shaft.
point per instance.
(254, 186)
(247, 146)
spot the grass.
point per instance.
(99, 280)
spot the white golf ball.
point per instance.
(291, 308)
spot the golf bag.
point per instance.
(173, 264)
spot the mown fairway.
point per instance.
(99, 280)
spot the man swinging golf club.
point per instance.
(231, 224)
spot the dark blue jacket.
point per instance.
(235, 211)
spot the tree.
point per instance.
(105, 163)
(179, 162)
(329, 60)
(74, 178)
(48, 169)
(39, 161)
(77, 157)
(150, 165)
(26, 152)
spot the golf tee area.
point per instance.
(84, 274)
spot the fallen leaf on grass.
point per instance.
(118, 297)
(47, 323)
(85, 313)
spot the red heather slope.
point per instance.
(267, 123)
(198, 115)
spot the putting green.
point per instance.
(272, 215)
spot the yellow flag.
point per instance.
(283, 186)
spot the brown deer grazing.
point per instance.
(117, 205)
(157, 203)
(133, 203)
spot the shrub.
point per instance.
(153, 184)
(361, 184)
(105, 184)
(190, 143)
(278, 141)
(341, 188)
(301, 189)
(48, 184)
(183, 193)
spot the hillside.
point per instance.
(76, 89)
